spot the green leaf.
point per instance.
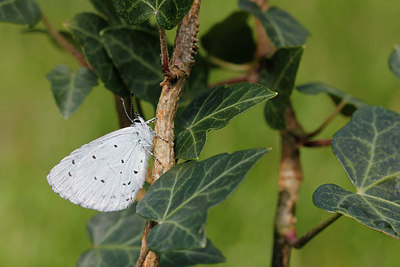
(213, 110)
(106, 8)
(24, 12)
(116, 239)
(168, 12)
(136, 53)
(394, 61)
(368, 148)
(282, 29)
(86, 28)
(352, 103)
(207, 255)
(279, 74)
(180, 199)
(231, 40)
(69, 89)
(198, 80)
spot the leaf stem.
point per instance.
(338, 108)
(300, 242)
(179, 67)
(64, 43)
(317, 143)
(164, 51)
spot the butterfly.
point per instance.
(107, 173)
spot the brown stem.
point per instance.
(64, 43)
(290, 177)
(164, 51)
(179, 69)
(329, 119)
(300, 242)
(317, 143)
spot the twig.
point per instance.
(317, 143)
(179, 69)
(338, 108)
(164, 51)
(300, 242)
(64, 43)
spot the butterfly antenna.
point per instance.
(131, 107)
(126, 113)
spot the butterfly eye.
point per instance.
(136, 121)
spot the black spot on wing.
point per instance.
(103, 181)
(69, 173)
(122, 161)
(73, 161)
(115, 146)
(136, 172)
(94, 157)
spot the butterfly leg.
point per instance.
(151, 120)
(151, 153)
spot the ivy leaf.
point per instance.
(180, 199)
(282, 29)
(219, 40)
(279, 74)
(352, 103)
(168, 12)
(86, 28)
(69, 89)
(116, 239)
(207, 255)
(24, 12)
(394, 61)
(106, 8)
(368, 148)
(214, 109)
(136, 53)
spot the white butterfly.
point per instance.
(107, 173)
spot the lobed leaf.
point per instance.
(106, 8)
(231, 40)
(168, 12)
(368, 148)
(116, 239)
(394, 61)
(279, 74)
(282, 29)
(213, 110)
(135, 52)
(352, 103)
(69, 89)
(180, 199)
(24, 12)
(86, 28)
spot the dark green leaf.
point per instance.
(168, 12)
(207, 255)
(86, 28)
(394, 61)
(282, 29)
(116, 239)
(352, 103)
(69, 89)
(198, 80)
(180, 199)
(136, 53)
(368, 148)
(106, 8)
(231, 40)
(279, 74)
(24, 12)
(213, 110)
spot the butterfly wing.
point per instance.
(105, 174)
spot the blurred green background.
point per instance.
(348, 49)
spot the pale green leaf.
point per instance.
(70, 89)
(368, 148)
